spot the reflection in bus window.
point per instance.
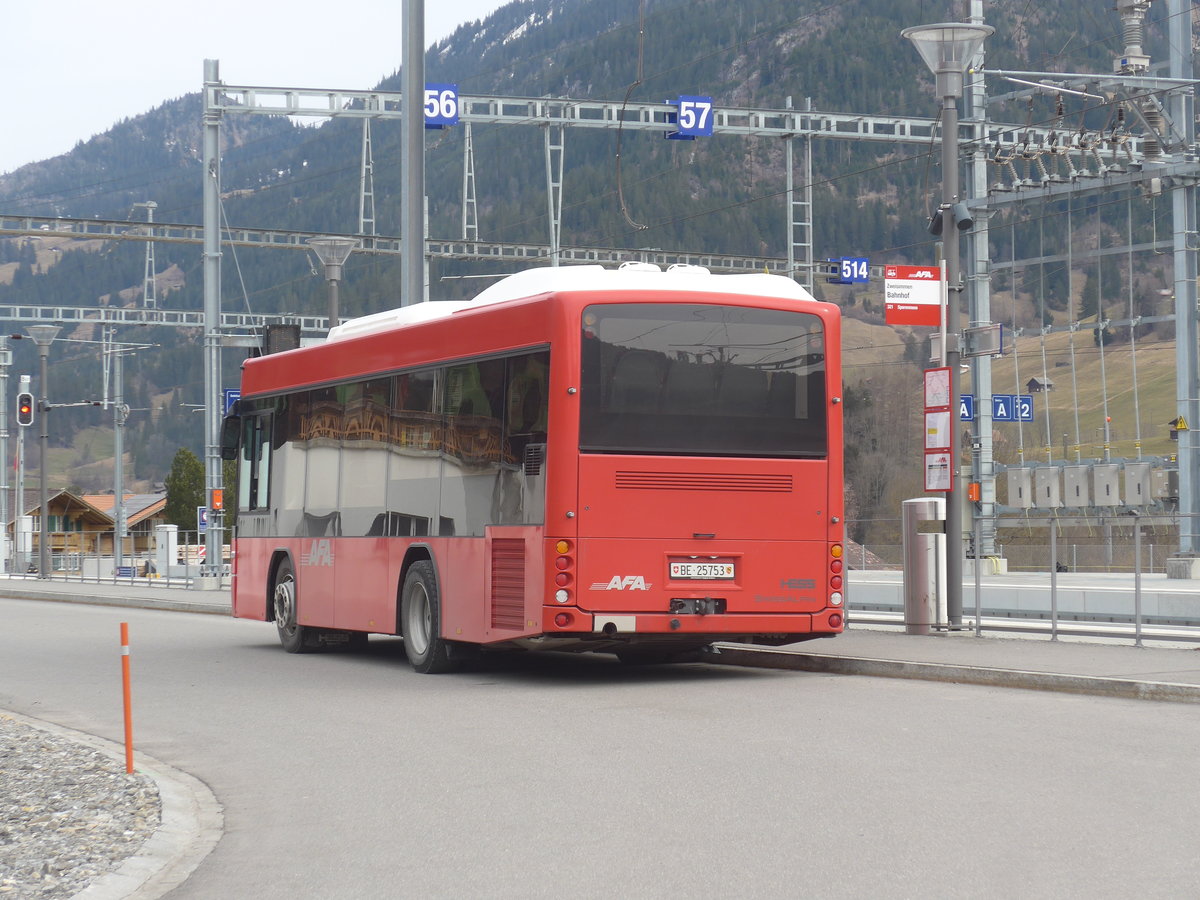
(471, 458)
(290, 459)
(704, 380)
(364, 456)
(414, 461)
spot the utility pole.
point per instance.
(43, 336)
(116, 352)
(5, 362)
(20, 563)
(214, 538)
(1181, 106)
(412, 154)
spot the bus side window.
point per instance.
(254, 466)
(528, 396)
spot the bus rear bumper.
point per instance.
(792, 626)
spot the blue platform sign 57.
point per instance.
(695, 118)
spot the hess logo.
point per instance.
(622, 583)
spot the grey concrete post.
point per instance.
(924, 565)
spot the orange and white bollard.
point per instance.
(128, 703)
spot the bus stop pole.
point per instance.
(1054, 579)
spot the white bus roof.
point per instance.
(547, 279)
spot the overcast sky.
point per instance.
(73, 68)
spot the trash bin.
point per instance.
(924, 565)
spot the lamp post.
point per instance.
(43, 336)
(947, 49)
(333, 252)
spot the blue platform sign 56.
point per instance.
(441, 105)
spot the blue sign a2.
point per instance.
(1025, 408)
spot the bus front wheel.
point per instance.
(421, 616)
(294, 637)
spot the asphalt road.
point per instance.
(349, 776)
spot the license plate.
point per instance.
(704, 571)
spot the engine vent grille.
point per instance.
(703, 481)
(508, 583)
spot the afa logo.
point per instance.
(320, 553)
(622, 583)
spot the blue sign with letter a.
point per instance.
(1004, 408)
(966, 407)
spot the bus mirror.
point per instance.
(231, 430)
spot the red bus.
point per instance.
(628, 461)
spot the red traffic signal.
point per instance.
(24, 408)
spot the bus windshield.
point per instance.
(702, 380)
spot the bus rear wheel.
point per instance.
(421, 619)
(294, 637)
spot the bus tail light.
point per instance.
(835, 620)
(835, 580)
(564, 562)
(563, 619)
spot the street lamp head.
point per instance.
(43, 335)
(333, 252)
(947, 49)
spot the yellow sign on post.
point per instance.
(1181, 424)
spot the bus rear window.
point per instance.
(702, 380)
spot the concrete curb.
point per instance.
(192, 823)
(196, 606)
(762, 658)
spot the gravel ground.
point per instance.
(69, 812)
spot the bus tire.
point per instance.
(421, 619)
(294, 637)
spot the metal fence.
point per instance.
(143, 565)
(1102, 544)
